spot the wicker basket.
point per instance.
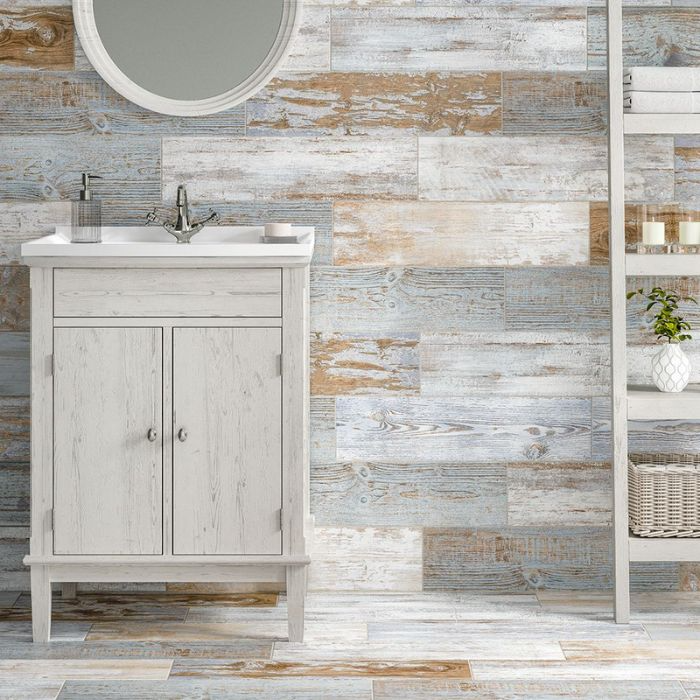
(664, 495)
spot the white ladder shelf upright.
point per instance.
(638, 403)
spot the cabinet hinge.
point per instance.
(51, 365)
(279, 360)
(51, 519)
(281, 518)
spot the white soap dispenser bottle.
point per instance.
(86, 215)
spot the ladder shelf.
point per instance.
(634, 402)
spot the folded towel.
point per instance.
(662, 102)
(663, 79)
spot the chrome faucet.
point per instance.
(183, 229)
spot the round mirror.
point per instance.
(186, 58)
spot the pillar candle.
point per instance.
(653, 233)
(689, 232)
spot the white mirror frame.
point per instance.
(110, 72)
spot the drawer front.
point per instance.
(171, 292)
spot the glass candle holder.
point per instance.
(688, 231)
(652, 224)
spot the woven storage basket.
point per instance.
(664, 495)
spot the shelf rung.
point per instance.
(662, 123)
(669, 549)
(671, 265)
(648, 403)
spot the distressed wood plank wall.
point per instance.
(452, 157)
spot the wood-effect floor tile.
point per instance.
(640, 670)
(18, 632)
(418, 650)
(385, 668)
(73, 669)
(543, 690)
(230, 689)
(30, 690)
(67, 650)
(672, 631)
(183, 632)
(603, 650)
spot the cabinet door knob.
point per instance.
(182, 435)
(152, 435)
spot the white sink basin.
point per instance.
(153, 241)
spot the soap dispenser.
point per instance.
(86, 215)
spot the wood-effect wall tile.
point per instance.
(517, 558)
(687, 169)
(356, 104)
(554, 103)
(311, 49)
(514, 363)
(689, 577)
(24, 221)
(381, 300)
(559, 494)
(14, 298)
(14, 364)
(557, 299)
(493, 429)
(36, 37)
(651, 37)
(368, 558)
(15, 575)
(50, 167)
(600, 230)
(281, 169)
(357, 364)
(408, 495)
(460, 234)
(14, 494)
(536, 168)
(458, 39)
(14, 429)
(526, 558)
(322, 429)
(56, 103)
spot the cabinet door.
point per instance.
(108, 467)
(227, 470)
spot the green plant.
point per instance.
(668, 324)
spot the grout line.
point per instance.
(60, 690)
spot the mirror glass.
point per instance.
(184, 50)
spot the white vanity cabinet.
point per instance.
(169, 422)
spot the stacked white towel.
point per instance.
(662, 90)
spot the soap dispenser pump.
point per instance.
(86, 215)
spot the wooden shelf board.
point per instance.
(662, 123)
(670, 265)
(648, 403)
(669, 549)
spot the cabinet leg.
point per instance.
(296, 593)
(41, 604)
(69, 591)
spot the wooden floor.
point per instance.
(358, 647)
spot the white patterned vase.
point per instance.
(670, 368)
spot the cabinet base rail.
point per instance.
(43, 575)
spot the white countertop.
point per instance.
(154, 241)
